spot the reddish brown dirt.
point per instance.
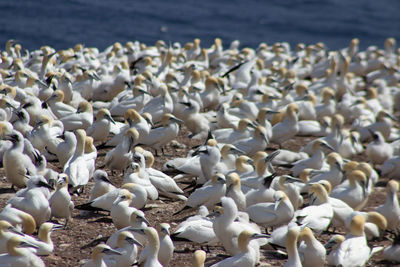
(75, 243)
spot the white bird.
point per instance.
(291, 187)
(272, 214)
(35, 182)
(105, 201)
(90, 155)
(57, 107)
(259, 141)
(315, 161)
(35, 203)
(225, 119)
(375, 223)
(196, 123)
(244, 109)
(391, 168)
(97, 256)
(207, 195)
(120, 210)
(230, 135)
(378, 151)
(120, 157)
(311, 251)
(127, 245)
(199, 257)
(65, 150)
(153, 246)
(140, 122)
(6, 232)
(160, 105)
(392, 252)
(102, 185)
(19, 254)
(136, 174)
(262, 194)
(332, 248)
(137, 220)
(209, 158)
(164, 184)
(60, 201)
(334, 176)
(100, 129)
(197, 229)
(288, 127)
(19, 219)
(291, 247)
(16, 164)
(166, 246)
(354, 194)
(159, 137)
(136, 100)
(21, 124)
(383, 124)
(316, 217)
(190, 165)
(82, 119)
(76, 167)
(234, 191)
(247, 256)
(354, 250)
(227, 229)
(44, 244)
(391, 209)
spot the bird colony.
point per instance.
(291, 155)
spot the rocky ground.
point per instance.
(75, 243)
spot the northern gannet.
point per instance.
(60, 201)
(97, 256)
(19, 255)
(100, 128)
(76, 167)
(207, 195)
(311, 251)
(391, 209)
(247, 256)
(272, 214)
(16, 164)
(82, 119)
(120, 157)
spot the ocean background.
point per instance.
(62, 24)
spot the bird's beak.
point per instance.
(106, 180)
(133, 241)
(186, 104)
(57, 226)
(137, 230)
(229, 189)
(236, 151)
(174, 119)
(328, 146)
(110, 251)
(43, 184)
(15, 231)
(108, 117)
(143, 91)
(165, 230)
(145, 220)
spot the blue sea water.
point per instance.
(99, 23)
